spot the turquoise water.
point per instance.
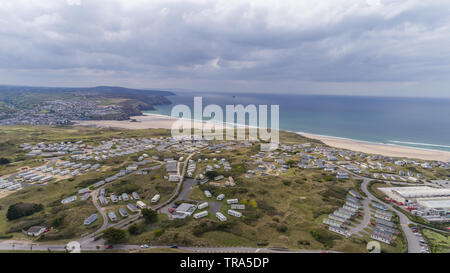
(415, 122)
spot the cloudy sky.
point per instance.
(365, 47)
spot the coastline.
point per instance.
(157, 121)
(380, 148)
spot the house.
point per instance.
(35, 231)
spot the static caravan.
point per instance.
(221, 217)
(234, 213)
(156, 198)
(203, 205)
(141, 205)
(112, 216)
(201, 214)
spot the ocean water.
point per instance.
(415, 122)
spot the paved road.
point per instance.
(24, 246)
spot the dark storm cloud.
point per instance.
(245, 41)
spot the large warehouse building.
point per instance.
(411, 194)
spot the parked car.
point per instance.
(109, 247)
(145, 246)
(174, 246)
(171, 210)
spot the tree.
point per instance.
(134, 229)
(22, 209)
(211, 174)
(4, 161)
(114, 235)
(150, 215)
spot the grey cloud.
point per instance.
(234, 41)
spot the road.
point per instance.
(25, 246)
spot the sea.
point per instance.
(414, 122)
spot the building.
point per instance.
(331, 222)
(135, 195)
(382, 236)
(132, 208)
(234, 213)
(186, 208)
(141, 205)
(69, 199)
(201, 214)
(123, 212)
(383, 214)
(112, 216)
(221, 217)
(91, 219)
(339, 230)
(208, 194)
(238, 206)
(35, 231)
(203, 205)
(156, 198)
(411, 194)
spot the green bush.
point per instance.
(22, 209)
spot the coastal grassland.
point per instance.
(145, 185)
(66, 220)
(437, 242)
(280, 211)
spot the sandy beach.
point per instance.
(165, 122)
(382, 149)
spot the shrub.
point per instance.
(114, 235)
(22, 209)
